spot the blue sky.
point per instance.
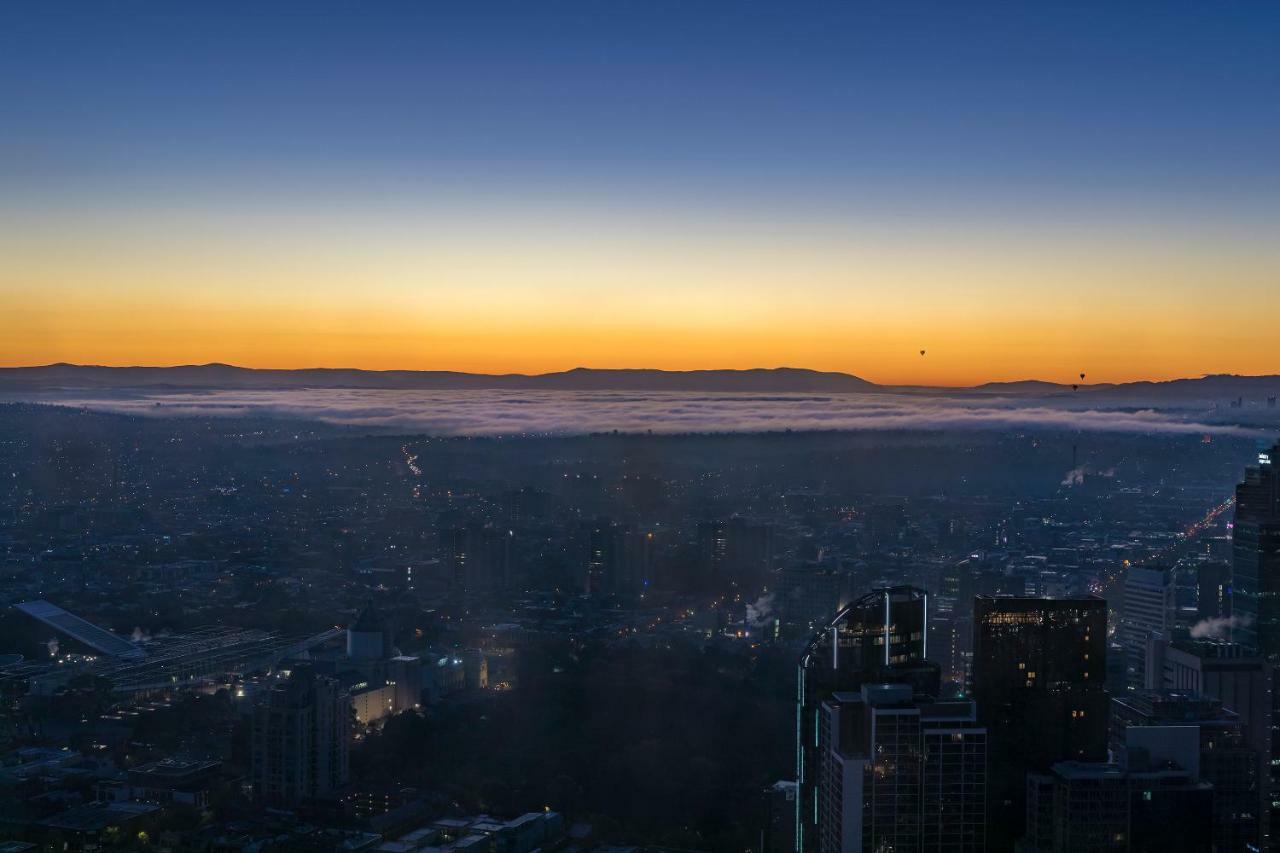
(896, 101)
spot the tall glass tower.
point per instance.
(1255, 546)
(880, 638)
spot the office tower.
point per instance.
(1077, 806)
(954, 788)
(949, 636)
(1080, 807)
(1223, 757)
(1213, 591)
(879, 638)
(1255, 552)
(301, 737)
(1039, 672)
(1256, 584)
(478, 557)
(734, 552)
(618, 560)
(900, 772)
(1148, 608)
(1240, 679)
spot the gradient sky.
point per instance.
(1024, 190)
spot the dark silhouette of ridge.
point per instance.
(225, 376)
(217, 376)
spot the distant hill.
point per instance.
(228, 377)
(1205, 387)
(64, 377)
(1220, 386)
(1027, 386)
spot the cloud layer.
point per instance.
(563, 412)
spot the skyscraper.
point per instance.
(880, 638)
(1255, 552)
(1224, 757)
(900, 772)
(1236, 676)
(1082, 807)
(954, 787)
(734, 552)
(1213, 590)
(1148, 609)
(301, 739)
(478, 557)
(1039, 673)
(618, 559)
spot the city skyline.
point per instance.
(639, 425)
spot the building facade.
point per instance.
(879, 638)
(1148, 609)
(900, 772)
(1039, 674)
(301, 739)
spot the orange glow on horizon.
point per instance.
(986, 306)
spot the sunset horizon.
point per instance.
(1064, 381)
(665, 186)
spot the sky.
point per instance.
(1021, 190)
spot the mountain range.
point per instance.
(759, 380)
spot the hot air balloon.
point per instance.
(1081, 377)
(922, 352)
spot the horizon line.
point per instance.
(584, 368)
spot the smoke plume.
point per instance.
(1219, 628)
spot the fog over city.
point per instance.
(487, 412)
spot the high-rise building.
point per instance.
(950, 633)
(1255, 549)
(1213, 590)
(900, 772)
(1077, 806)
(301, 738)
(1236, 676)
(1148, 608)
(1080, 807)
(954, 789)
(737, 551)
(879, 638)
(478, 557)
(619, 560)
(1255, 553)
(1223, 757)
(1039, 673)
